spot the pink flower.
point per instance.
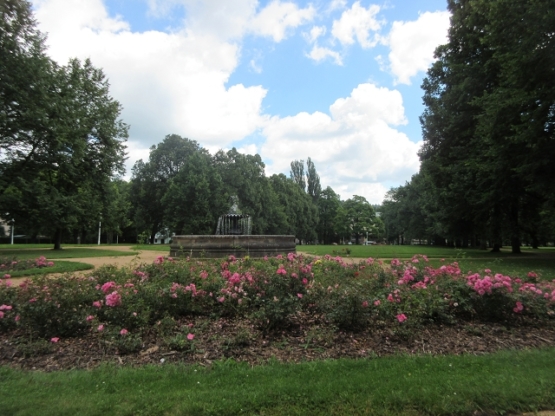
(32, 300)
(90, 318)
(106, 287)
(17, 318)
(7, 276)
(221, 300)
(123, 331)
(281, 271)
(377, 302)
(518, 308)
(1, 314)
(97, 304)
(401, 317)
(5, 308)
(365, 304)
(305, 281)
(100, 328)
(300, 295)
(55, 339)
(113, 299)
(190, 336)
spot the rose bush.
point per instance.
(270, 292)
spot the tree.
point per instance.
(67, 165)
(195, 198)
(489, 121)
(313, 181)
(27, 92)
(329, 204)
(244, 178)
(360, 216)
(151, 181)
(300, 214)
(297, 173)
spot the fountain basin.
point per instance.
(217, 246)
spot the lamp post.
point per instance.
(13, 226)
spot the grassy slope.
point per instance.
(502, 382)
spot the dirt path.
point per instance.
(143, 256)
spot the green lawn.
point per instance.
(59, 267)
(152, 247)
(66, 253)
(510, 381)
(541, 261)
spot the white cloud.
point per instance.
(337, 4)
(355, 148)
(277, 17)
(166, 82)
(232, 19)
(413, 43)
(319, 53)
(357, 22)
(315, 33)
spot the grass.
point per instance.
(541, 261)
(59, 267)
(66, 253)
(509, 381)
(152, 247)
(405, 252)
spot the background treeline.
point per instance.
(487, 176)
(183, 189)
(62, 148)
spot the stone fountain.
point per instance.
(233, 237)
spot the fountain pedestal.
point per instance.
(216, 246)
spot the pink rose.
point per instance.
(123, 331)
(113, 299)
(401, 317)
(55, 339)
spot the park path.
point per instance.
(143, 256)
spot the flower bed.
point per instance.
(13, 264)
(120, 306)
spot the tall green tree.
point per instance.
(151, 181)
(328, 204)
(313, 181)
(195, 198)
(488, 122)
(297, 173)
(360, 216)
(81, 149)
(301, 215)
(244, 178)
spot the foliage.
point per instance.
(62, 140)
(271, 292)
(488, 129)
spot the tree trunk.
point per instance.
(496, 230)
(58, 239)
(515, 228)
(535, 242)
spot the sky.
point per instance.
(334, 80)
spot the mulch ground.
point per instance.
(218, 339)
